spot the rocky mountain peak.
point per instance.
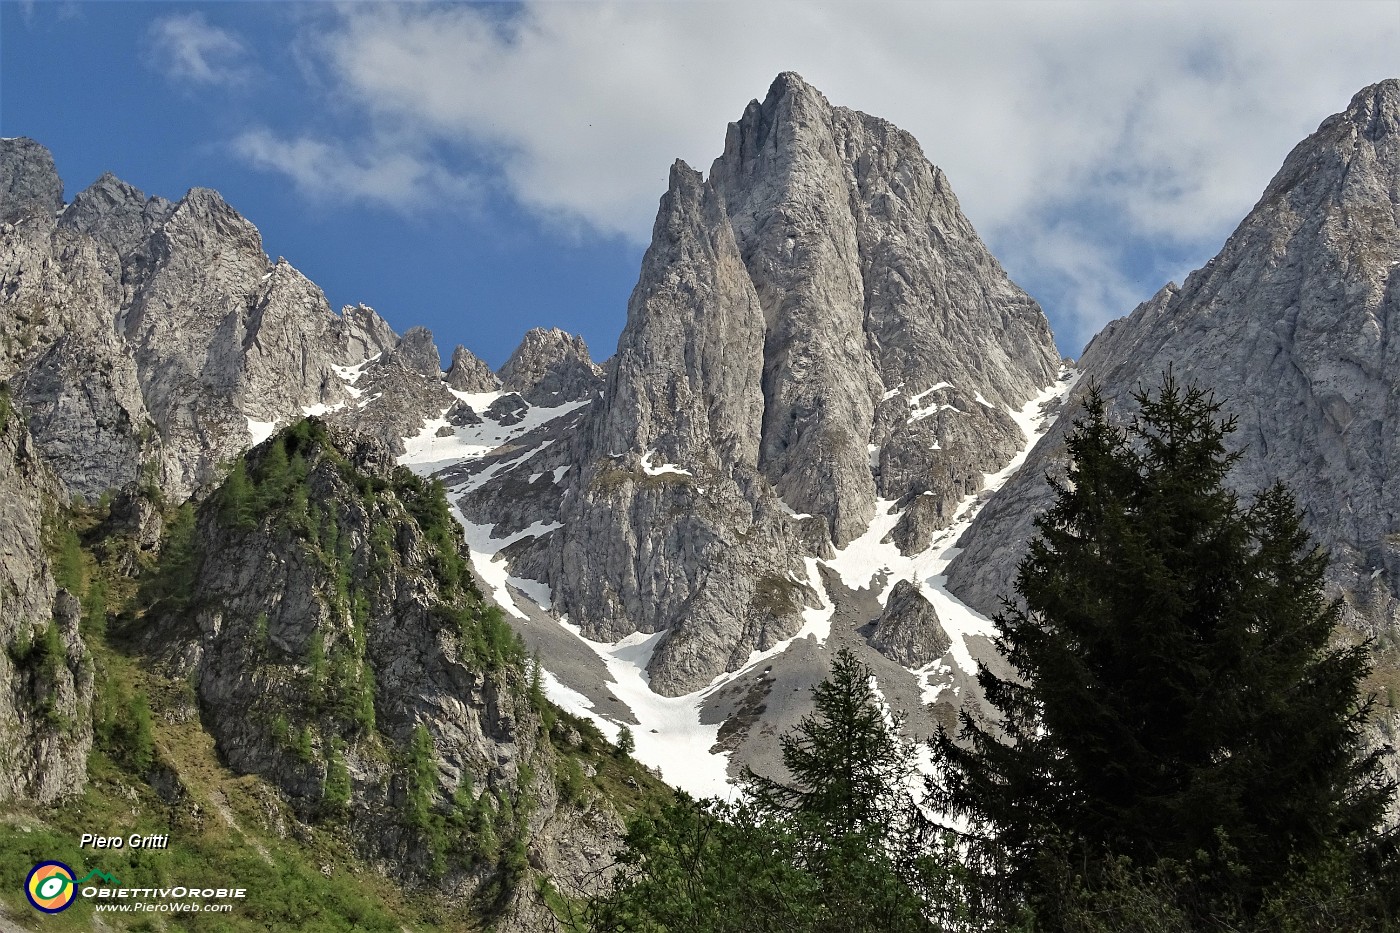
(468, 373)
(1294, 325)
(366, 333)
(29, 182)
(550, 367)
(116, 213)
(1376, 109)
(872, 281)
(203, 212)
(817, 333)
(417, 353)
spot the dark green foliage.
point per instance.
(626, 742)
(281, 730)
(140, 739)
(349, 689)
(68, 569)
(1177, 701)
(39, 655)
(95, 608)
(573, 786)
(316, 669)
(274, 475)
(44, 654)
(122, 726)
(840, 848)
(535, 694)
(1327, 894)
(849, 804)
(272, 480)
(172, 587)
(420, 779)
(305, 749)
(5, 406)
(336, 793)
(708, 867)
(847, 763)
(237, 505)
(486, 638)
(427, 503)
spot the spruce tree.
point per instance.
(849, 808)
(1177, 697)
(850, 767)
(838, 847)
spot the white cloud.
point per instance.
(187, 48)
(382, 174)
(1164, 120)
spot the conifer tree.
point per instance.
(849, 807)
(849, 765)
(237, 505)
(836, 848)
(1177, 697)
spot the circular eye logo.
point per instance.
(50, 887)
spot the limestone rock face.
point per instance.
(46, 680)
(29, 181)
(366, 333)
(399, 391)
(116, 213)
(144, 338)
(817, 333)
(670, 525)
(909, 630)
(338, 647)
(551, 367)
(469, 374)
(1296, 325)
(876, 290)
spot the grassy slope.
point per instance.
(233, 830)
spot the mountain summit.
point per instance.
(817, 336)
(1296, 323)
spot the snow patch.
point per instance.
(870, 556)
(668, 733)
(918, 399)
(493, 570)
(918, 411)
(427, 453)
(540, 593)
(788, 510)
(933, 680)
(351, 374)
(661, 468)
(816, 623)
(260, 431)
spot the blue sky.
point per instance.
(484, 169)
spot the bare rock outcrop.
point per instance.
(145, 339)
(468, 373)
(1295, 324)
(46, 677)
(909, 631)
(29, 181)
(335, 638)
(816, 328)
(551, 367)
